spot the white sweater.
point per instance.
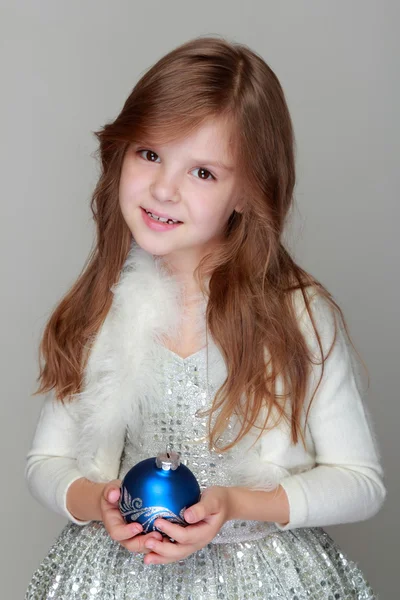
(338, 478)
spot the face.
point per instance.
(192, 181)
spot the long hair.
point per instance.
(251, 275)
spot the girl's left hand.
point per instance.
(208, 516)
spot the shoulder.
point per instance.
(328, 339)
(319, 314)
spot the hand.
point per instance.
(120, 531)
(208, 516)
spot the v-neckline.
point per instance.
(187, 358)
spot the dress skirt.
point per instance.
(300, 564)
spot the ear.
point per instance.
(239, 206)
(240, 202)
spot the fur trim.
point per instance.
(120, 385)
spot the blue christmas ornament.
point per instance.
(158, 487)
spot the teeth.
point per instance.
(162, 219)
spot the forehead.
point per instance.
(212, 139)
(214, 133)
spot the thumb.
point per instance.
(207, 506)
(112, 491)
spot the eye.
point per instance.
(204, 171)
(149, 156)
(149, 153)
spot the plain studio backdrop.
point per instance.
(66, 69)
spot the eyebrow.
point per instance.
(215, 163)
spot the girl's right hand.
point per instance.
(120, 531)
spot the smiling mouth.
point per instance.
(156, 218)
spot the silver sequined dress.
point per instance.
(246, 560)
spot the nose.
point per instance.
(165, 187)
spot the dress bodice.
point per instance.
(187, 390)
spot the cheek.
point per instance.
(130, 189)
(211, 212)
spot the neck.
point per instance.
(182, 266)
(186, 278)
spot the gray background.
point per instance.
(67, 67)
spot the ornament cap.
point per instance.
(168, 460)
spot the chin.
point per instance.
(156, 248)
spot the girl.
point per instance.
(191, 325)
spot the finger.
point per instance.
(168, 550)
(112, 491)
(137, 544)
(197, 512)
(123, 531)
(113, 496)
(174, 531)
(182, 535)
(156, 559)
(208, 505)
(115, 524)
(113, 519)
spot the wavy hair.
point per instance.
(251, 275)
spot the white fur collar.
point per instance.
(120, 385)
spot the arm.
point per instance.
(83, 500)
(54, 479)
(51, 468)
(217, 505)
(346, 485)
(250, 505)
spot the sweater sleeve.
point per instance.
(346, 484)
(51, 462)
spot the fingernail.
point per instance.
(150, 545)
(189, 516)
(113, 494)
(135, 529)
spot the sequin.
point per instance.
(246, 560)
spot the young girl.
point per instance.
(191, 325)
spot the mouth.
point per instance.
(161, 218)
(159, 223)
